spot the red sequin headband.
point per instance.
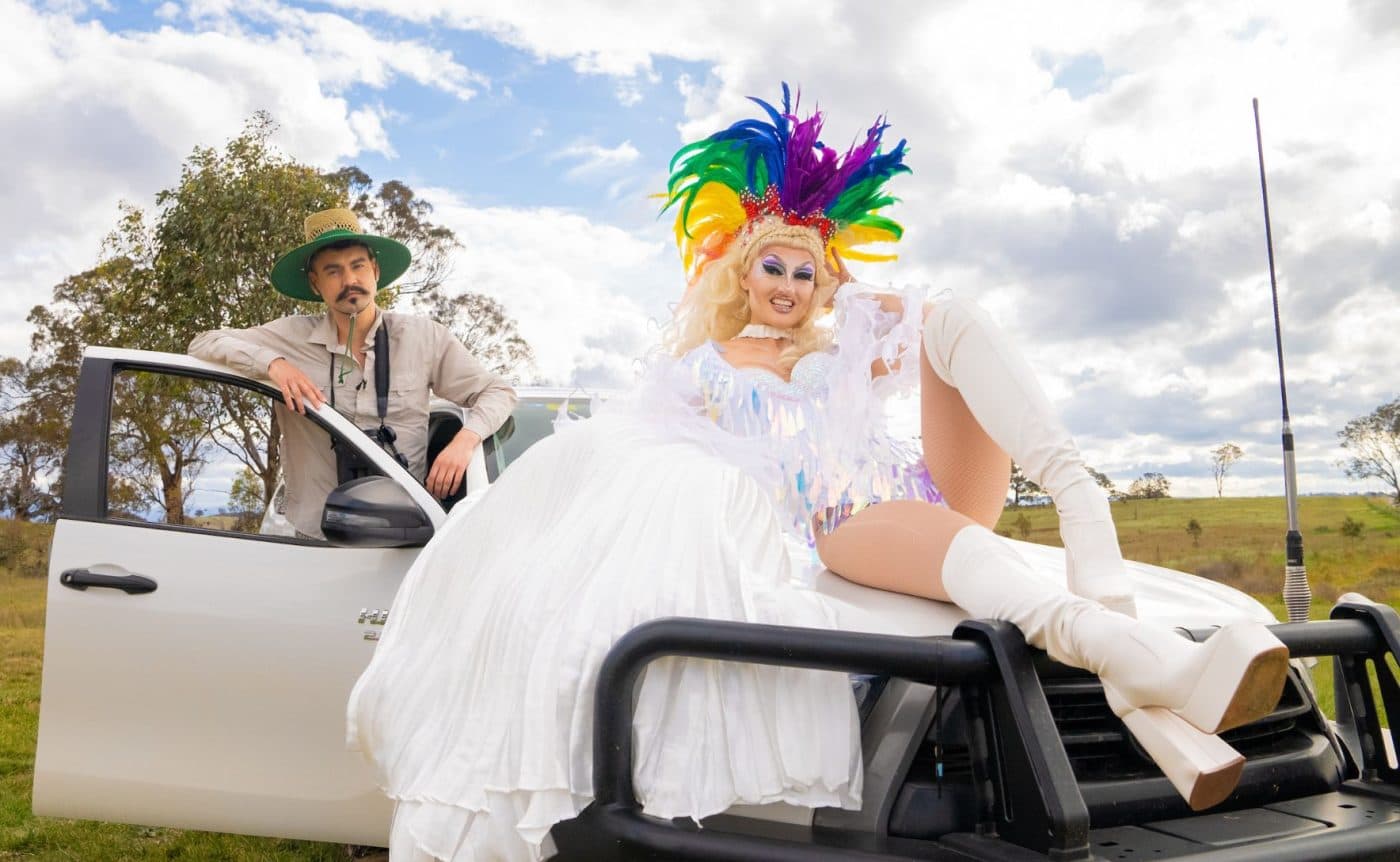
(770, 205)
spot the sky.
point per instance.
(1086, 171)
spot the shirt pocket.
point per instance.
(415, 397)
(408, 405)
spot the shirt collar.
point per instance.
(325, 335)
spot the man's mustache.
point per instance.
(349, 292)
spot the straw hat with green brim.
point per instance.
(325, 228)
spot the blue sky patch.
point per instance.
(1081, 76)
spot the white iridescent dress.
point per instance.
(476, 709)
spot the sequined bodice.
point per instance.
(818, 439)
(808, 379)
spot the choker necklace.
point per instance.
(763, 330)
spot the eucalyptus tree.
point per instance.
(200, 260)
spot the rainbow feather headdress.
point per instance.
(757, 177)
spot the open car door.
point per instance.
(196, 668)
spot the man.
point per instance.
(331, 356)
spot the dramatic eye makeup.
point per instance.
(804, 273)
(773, 265)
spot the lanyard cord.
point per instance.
(384, 435)
(349, 346)
(381, 367)
(349, 342)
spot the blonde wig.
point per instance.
(716, 306)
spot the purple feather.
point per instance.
(805, 162)
(815, 176)
(810, 177)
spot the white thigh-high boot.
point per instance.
(970, 353)
(1173, 694)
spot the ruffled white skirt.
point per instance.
(477, 707)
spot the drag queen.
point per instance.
(760, 432)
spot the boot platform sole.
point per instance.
(1241, 682)
(1260, 692)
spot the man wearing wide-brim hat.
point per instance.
(330, 356)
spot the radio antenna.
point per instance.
(1297, 595)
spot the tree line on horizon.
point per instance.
(1372, 443)
(1148, 486)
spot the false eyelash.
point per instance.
(772, 269)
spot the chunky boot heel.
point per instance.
(1202, 767)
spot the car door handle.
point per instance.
(81, 579)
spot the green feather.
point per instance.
(880, 222)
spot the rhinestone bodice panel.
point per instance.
(831, 464)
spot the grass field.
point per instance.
(1240, 543)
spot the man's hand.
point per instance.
(297, 388)
(451, 464)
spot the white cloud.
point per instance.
(108, 116)
(1375, 221)
(1140, 216)
(592, 159)
(76, 7)
(368, 125)
(344, 52)
(1024, 194)
(628, 93)
(587, 296)
(621, 41)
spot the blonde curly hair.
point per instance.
(716, 306)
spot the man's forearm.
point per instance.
(490, 409)
(230, 347)
(467, 438)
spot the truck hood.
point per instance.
(1163, 595)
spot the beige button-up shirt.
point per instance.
(424, 357)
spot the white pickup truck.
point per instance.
(196, 673)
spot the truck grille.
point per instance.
(1100, 747)
(1288, 752)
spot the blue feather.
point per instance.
(776, 157)
(882, 164)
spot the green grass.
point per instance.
(1240, 544)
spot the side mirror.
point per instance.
(374, 512)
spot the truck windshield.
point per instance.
(530, 422)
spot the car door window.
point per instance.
(200, 453)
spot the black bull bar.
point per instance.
(979, 653)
